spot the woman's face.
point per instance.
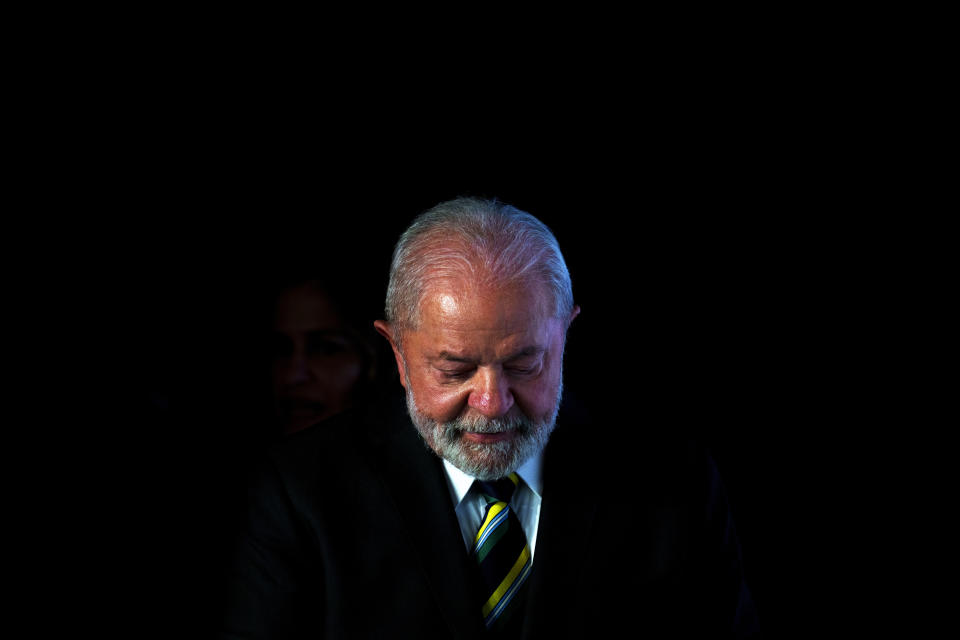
(317, 365)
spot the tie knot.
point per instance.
(500, 490)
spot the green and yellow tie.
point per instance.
(501, 552)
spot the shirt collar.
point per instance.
(461, 482)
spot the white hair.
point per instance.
(485, 240)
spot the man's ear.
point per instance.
(573, 314)
(388, 331)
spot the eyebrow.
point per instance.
(522, 353)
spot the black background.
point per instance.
(745, 221)
(720, 277)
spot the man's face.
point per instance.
(483, 374)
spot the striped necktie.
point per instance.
(501, 551)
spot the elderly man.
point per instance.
(358, 530)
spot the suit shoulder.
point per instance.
(341, 442)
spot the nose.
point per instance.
(294, 369)
(491, 396)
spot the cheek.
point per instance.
(336, 377)
(341, 372)
(436, 401)
(538, 398)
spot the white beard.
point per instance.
(485, 461)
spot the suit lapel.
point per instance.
(414, 477)
(567, 516)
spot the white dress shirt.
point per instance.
(470, 505)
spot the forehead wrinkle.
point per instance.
(449, 356)
(451, 295)
(469, 274)
(462, 321)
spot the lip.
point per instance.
(487, 438)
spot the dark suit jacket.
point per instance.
(351, 533)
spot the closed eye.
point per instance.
(456, 374)
(523, 371)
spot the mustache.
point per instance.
(481, 424)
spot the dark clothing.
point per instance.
(351, 533)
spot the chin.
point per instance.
(484, 461)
